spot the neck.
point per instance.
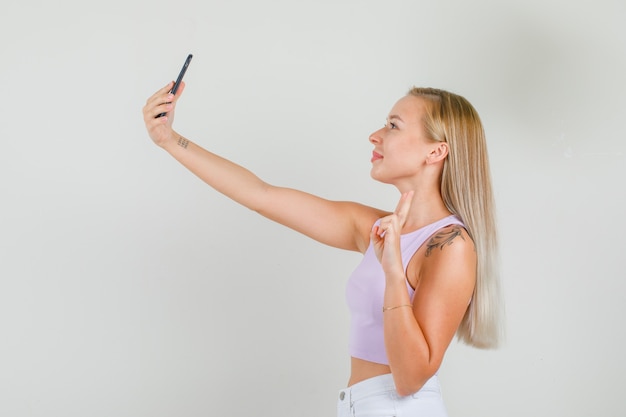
(427, 207)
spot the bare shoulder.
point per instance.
(454, 238)
(449, 258)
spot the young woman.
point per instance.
(428, 270)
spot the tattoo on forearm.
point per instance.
(442, 239)
(183, 142)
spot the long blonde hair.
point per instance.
(466, 190)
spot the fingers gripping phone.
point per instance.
(181, 74)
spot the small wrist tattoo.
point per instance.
(183, 142)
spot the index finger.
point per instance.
(402, 210)
(162, 91)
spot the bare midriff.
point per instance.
(362, 370)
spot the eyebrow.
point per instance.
(395, 116)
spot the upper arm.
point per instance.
(447, 277)
(340, 224)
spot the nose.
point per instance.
(375, 137)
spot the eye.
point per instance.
(390, 125)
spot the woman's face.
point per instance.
(401, 146)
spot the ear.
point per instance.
(437, 153)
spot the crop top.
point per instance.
(365, 293)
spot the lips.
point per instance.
(376, 156)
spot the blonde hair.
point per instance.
(466, 190)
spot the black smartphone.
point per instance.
(181, 74)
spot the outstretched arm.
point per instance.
(340, 224)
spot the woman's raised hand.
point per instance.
(386, 236)
(160, 128)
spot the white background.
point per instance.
(129, 288)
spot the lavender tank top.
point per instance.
(365, 292)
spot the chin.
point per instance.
(378, 177)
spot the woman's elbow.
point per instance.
(404, 392)
(409, 386)
(411, 381)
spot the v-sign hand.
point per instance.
(386, 236)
